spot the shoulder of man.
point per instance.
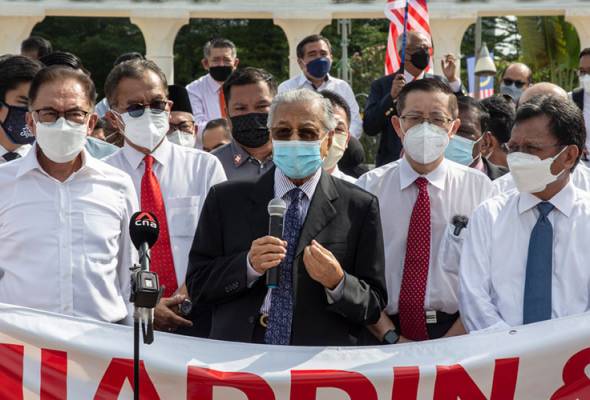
(372, 180)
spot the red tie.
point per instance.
(222, 103)
(413, 288)
(151, 200)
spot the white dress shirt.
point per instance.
(586, 113)
(185, 176)
(20, 150)
(204, 97)
(580, 178)
(454, 189)
(493, 263)
(65, 245)
(341, 175)
(335, 85)
(455, 85)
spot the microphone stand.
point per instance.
(145, 294)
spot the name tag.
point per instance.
(431, 317)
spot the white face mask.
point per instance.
(62, 140)
(148, 130)
(530, 173)
(182, 138)
(339, 142)
(585, 82)
(425, 143)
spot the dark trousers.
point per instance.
(444, 322)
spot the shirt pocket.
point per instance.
(450, 250)
(183, 215)
(101, 236)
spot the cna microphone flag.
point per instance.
(486, 86)
(417, 21)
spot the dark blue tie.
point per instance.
(281, 298)
(539, 268)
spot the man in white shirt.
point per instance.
(64, 215)
(314, 56)
(525, 257)
(16, 74)
(172, 181)
(421, 197)
(341, 136)
(220, 59)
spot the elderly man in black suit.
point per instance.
(331, 263)
(380, 106)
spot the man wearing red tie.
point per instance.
(172, 181)
(421, 197)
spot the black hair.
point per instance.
(38, 44)
(466, 103)
(502, 113)
(219, 43)
(64, 58)
(430, 85)
(15, 70)
(58, 73)
(566, 121)
(133, 69)
(133, 55)
(584, 52)
(311, 39)
(248, 76)
(338, 101)
(216, 123)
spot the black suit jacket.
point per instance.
(494, 171)
(578, 97)
(377, 119)
(342, 217)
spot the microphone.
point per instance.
(276, 211)
(145, 287)
(144, 230)
(460, 222)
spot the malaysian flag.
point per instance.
(486, 83)
(417, 21)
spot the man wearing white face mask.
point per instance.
(64, 214)
(172, 181)
(420, 196)
(182, 126)
(543, 228)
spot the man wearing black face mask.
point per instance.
(248, 94)
(381, 105)
(16, 74)
(314, 56)
(206, 94)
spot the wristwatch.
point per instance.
(390, 337)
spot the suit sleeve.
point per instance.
(214, 277)
(378, 105)
(364, 294)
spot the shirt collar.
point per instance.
(302, 80)
(283, 185)
(563, 200)
(409, 77)
(30, 162)
(436, 178)
(238, 155)
(213, 84)
(162, 154)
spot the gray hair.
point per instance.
(304, 96)
(219, 43)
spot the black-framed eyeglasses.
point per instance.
(49, 115)
(157, 106)
(417, 119)
(510, 82)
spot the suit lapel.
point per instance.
(260, 196)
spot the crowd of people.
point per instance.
(474, 218)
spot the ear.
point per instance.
(205, 64)
(236, 63)
(486, 144)
(327, 144)
(301, 64)
(454, 127)
(31, 123)
(568, 159)
(397, 125)
(91, 123)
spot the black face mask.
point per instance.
(221, 73)
(15, 125)
(250, 130)
(420, 59)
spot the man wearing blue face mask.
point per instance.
(473, 139)
(16, 74)
(525, 257)
(516, 79)
(330, 261)
(314, 56)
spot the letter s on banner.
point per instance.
(576, 384)
(200, 383)
(305, 383)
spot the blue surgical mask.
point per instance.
(511, 90)
(319, 67)
(297, 159)
(460, 150)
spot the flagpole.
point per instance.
(404, 38)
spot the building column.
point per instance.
(296, 29)
(447, 35)
(159, 33)
(15, 29)
(582, 24)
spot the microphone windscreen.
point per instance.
(277, 207)
(144, 228)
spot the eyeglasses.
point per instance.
(510, 82)
(50, 115)
(157, 106)
(416, 119)
(304, 133)
(529, 148)
(184, 126)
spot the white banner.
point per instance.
(48, 356)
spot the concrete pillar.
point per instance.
(582, 24)
(15, 29)
(296, 29)
(159, 33)
(447, 34)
